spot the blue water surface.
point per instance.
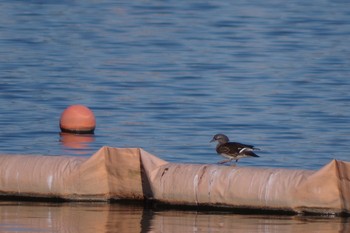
(168, 75)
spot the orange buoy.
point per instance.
(77, 119)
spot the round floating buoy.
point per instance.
(77, 119)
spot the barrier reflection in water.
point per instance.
(114, 217)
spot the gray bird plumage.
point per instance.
(232, 150)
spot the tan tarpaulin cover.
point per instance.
(114, 173)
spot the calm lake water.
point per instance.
(80, 217)
(168, 75)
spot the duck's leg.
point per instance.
(235, 164)
(225, 161)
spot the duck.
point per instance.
(232, 150)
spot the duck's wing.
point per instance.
(225, 149)
(241, 146)
(235, 148)
(229, 148)
(247, 152)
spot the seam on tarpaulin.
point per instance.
(211, 181)
(197, 180)
(340, 187)
(106, 155)
(146, 187)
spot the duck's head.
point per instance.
(221, 138)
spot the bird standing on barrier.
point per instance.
(232, 150)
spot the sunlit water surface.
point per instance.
(166, 76)
(102, 217)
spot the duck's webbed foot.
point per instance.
(225, 161)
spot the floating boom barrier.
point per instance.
(134, 174)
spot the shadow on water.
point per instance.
(117, 217)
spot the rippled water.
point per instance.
(80, 217)
(168, 75)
